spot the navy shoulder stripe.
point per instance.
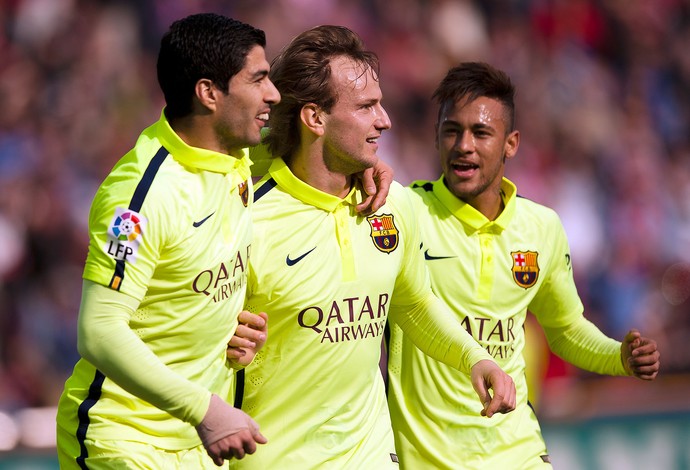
(266, 187)
(239, 389)
(135, 205)
(146, 180)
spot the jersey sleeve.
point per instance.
(434, 329)
(425, 318)
(582, 344)
(557, 304)
(124, 244)
(106, 341)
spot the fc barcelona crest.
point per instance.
(525, 268)
(383, 232)
(243, 188)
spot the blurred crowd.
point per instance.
(603, 105)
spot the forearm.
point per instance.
(434, 329)
(585, 346)
(106, 341)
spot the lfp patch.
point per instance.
(525, 268)
(125, 234)
(384, 233)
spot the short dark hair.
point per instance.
(204, 45)
(302, 74)
(471, 80)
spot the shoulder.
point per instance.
(399, 197)
(539, 216)
(529, 207)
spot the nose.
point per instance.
(383, 122)
(465, 142)
(272, 95)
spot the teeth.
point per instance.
(263, 116)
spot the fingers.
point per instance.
(368, 182)
(234, 353)
(504, 394)
(246, 337)
(486, 375)
(257, 321)
(644, 346)
(376, 182)
(243, 338)
(260, 438)
(236, 446)
(645, 367)
(632, 339)
(643, 356)
(364, 208)
(378, 201)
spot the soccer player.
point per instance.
(167, 265)
(329, 277)
(492, 257)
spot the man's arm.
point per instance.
(106, 341)
(582, 344)
(434, 329)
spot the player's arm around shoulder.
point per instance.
(376, 182)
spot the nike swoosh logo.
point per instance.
(198, 224)
(292, 262)
(429, 257)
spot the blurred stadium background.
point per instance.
(603, 106)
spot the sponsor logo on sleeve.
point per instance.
(125, 233)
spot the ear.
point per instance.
(312, 117)
(511, 144)
(205, 92)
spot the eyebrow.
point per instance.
(261, 73)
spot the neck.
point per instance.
(309, 166)
(490, 204)
(197, 131)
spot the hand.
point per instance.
(640, 356)
(487, 375)
(228, 432)
(249, 338)
(376, 182)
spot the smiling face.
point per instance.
(473, 142)
(244, 109)
(356, 120)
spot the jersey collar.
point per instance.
(298, 189)
(196, 157)
(471, 216)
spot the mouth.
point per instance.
(263, 117)
(373, 140)
(464, 168)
